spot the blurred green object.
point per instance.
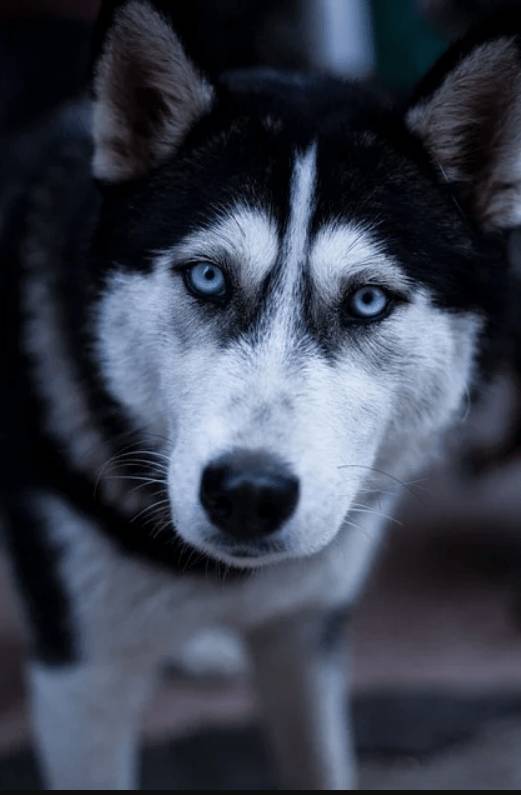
(405, 43)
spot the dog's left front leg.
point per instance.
(86, 723)
(300, 669)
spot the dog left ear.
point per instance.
(467, 111)
(147, 94)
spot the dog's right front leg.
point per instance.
(300, 667)
(86, 723)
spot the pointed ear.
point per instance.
(467, 111)
(147, 94)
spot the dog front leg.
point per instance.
(86, 724)
(300, 667)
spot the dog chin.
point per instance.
(241, 555)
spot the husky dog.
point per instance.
(240, 313)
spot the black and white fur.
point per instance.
(301, 188)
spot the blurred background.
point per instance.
(437, 637)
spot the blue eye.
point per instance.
(368, 303)
(206, 280)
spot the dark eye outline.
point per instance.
(217, 298)
(392, 299)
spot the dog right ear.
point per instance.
(147, 94)
(467, 111)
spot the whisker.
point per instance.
(366, 509)
(158, 515)
(134, 477)
(160, 528)
(403, 484)
(129, 451)
(134, 462)
(378, 493)
(145, 479)
(135, 489)
(151, 453)
(159, 504)
(364, 531)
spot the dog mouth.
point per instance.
(247, 554)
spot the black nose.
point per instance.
(248, 494)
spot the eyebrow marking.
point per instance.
(245, 236)
(350, 251)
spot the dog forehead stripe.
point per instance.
(300, 212)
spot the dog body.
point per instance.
(259, 326)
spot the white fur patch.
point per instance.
(126, 609)
(301, 207)
(245, 236)
(86, 721)
(347, 252)
(382, 403)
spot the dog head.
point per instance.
(297, 278)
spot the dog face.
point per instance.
(292, 297)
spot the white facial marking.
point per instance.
(246, 236)
(377, 402)
(278, 333)
(342, 252)
(301, 208)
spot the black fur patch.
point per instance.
(67, 206)
(35, 561)
(370, 169)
